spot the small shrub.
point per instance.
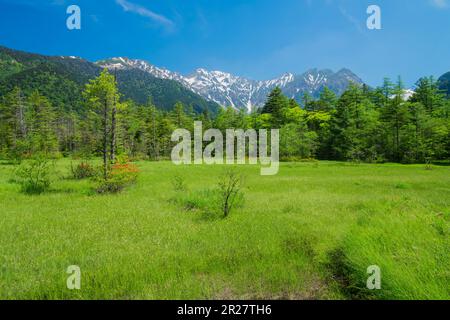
(109, 186)
(126, 173)
(82, 171)
(120, 176)
(230, 186)
(179, 184)
(34, 176)
(213, 203)
(428, 164)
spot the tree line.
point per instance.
(363, 124)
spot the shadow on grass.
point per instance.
(206, 204)
(345, 276)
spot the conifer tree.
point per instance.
(42, 133)
(428, 94)
(101, 95)
(395, 116)
(327, 100)
(276, 102)
(13, 126)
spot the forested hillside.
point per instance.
(444, 83)
(62, 79)
(373, 125)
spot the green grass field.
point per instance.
(308, 233)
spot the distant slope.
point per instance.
(139, 86)
(238, 92)
(62, 80)
(444, 83)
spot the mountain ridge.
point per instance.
(238, 92)
(140, 80)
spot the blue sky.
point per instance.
(258, 39)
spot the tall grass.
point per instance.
(308, 233)
(411, 248)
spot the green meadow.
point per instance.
(309, 232)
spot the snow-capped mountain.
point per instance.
(125, 64)
(407, 94)
(242, 93)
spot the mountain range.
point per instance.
(62, 80)
(238, 92)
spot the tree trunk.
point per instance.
(105, 140)
(155, 144)
(113, 131)
(113, 126)
(397, 138)
(21, 115)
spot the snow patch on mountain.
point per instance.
(239, 92)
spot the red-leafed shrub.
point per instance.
(83, 170)
(121, 175)
(127, 172)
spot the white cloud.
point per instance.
(355, 22)
(440, 3)
(142, 11)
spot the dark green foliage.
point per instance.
(41, 129)
(109, 186)
(137, 114)
(428, 94)
(8, 66)
(62, 80)
(276, 102)
(354, 127)
(139, 86)
(13, 126)
(327, 101)
(34, 176)
(57, 87)
(82, 170)
(444, 83)
(297, 141)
